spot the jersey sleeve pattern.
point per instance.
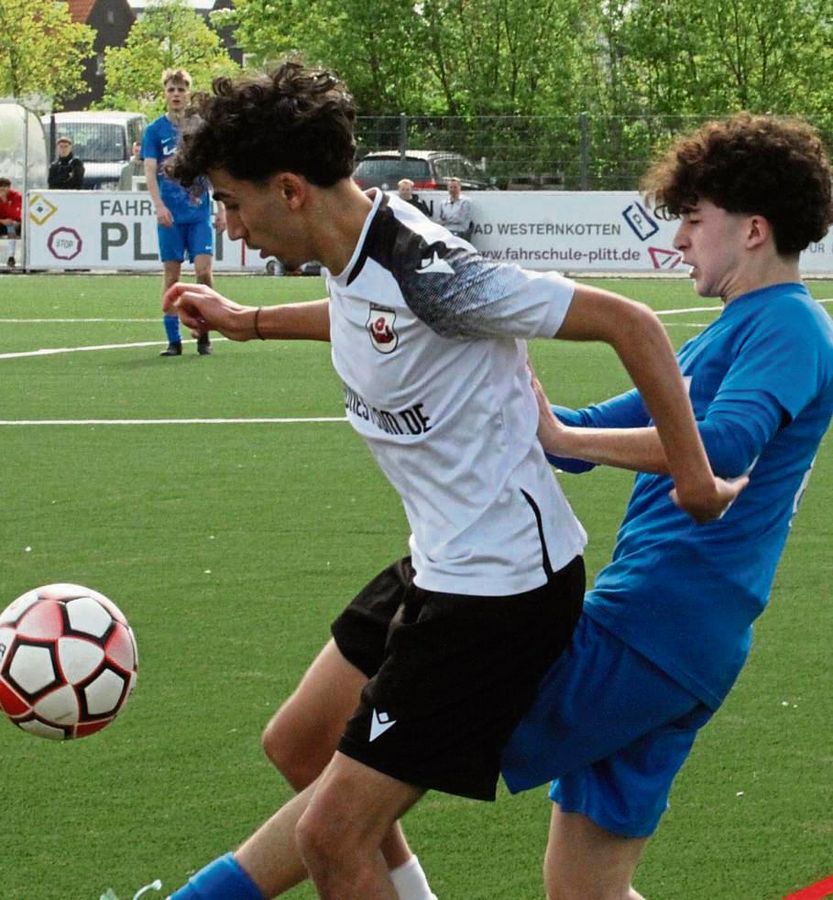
(457, 293)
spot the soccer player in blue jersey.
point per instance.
(434, 662)
(183, 217)
(667, 626)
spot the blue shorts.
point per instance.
(611, 728)
(197, 238)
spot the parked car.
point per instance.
(275, 267)
(101, 140)
(428, 169)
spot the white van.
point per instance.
(101, 140)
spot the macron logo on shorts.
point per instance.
(379, 724)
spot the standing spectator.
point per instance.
(406, 193)
(455, 211)
(66, 171)
(133, 168)
(183, 217)
(11, 205)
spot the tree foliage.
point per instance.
(464, 57)
(615, 76)
(368, 44)
(42, 51)
(760, 55)
(169, 34)
(453, 57)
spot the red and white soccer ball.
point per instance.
(68, 661)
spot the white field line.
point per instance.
(42, 321)
(690, 309)
(52, 351)
(717, 308)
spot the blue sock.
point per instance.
(172, 329)
(223, 879)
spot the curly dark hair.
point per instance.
(763, 165)
(295, 119)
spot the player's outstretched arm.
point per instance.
(637, 336)
(636, 448)
(201, 308)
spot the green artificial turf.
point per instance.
(230, 546)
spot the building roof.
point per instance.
(80, 9)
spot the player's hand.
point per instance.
(713, 504)
(201, 309)
(220, 219)
(163, 216)
(552, 433)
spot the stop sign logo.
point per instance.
(65, 243)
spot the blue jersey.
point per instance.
(685, 595)
(159, 142)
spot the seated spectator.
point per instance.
(11, 205)
(66, 171)
(406, 193)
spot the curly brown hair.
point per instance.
(295, 119)
(764, 165)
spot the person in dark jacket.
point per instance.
(406, 192)
(66, 171)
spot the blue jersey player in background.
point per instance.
(183, 217)
(667, 626)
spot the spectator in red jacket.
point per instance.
(11, 204)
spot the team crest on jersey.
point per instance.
(380, 326)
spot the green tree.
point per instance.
(501, 56)
(660, 66)
(452, 57)
(42, 51)
(760, 55)
(640, 70)
(370, 45)
(169, 34)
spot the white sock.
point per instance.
(12, 246)
(410, 881)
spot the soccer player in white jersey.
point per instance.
(435, 661)
(668, 624)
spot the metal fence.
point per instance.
(581, 152)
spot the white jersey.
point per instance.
(428, 339)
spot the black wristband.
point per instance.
(254, 324)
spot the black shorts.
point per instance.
(450, 675)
